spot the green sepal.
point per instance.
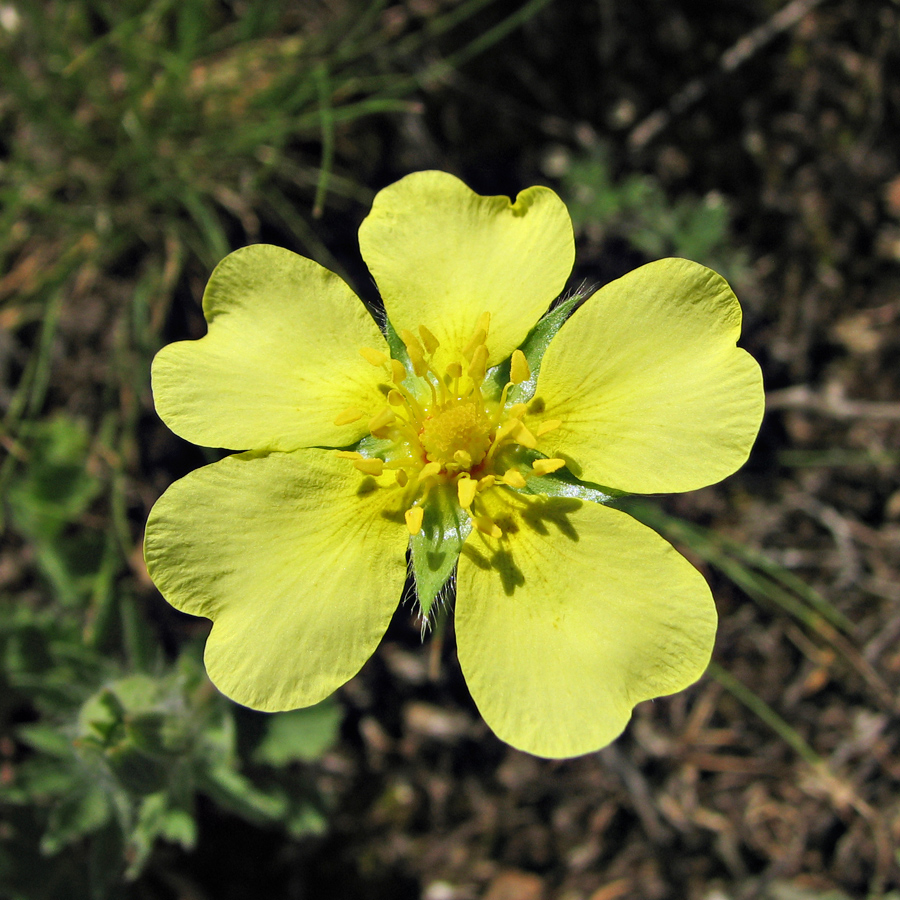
(436, 548)
(562, 483)
(534, 346)
(395, 343)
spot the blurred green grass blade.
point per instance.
(323, 86)
(763, 711)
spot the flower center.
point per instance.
(446, 424)
(457, 434)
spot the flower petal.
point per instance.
(298, 559)
(652, 392)
(442, 255)
(280, 362)
(575, 615)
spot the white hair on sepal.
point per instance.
(441, 603)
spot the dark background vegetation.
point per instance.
(140, 142)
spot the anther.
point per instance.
(414, 517)
(372, 466)
(348, 454)
(464, 458)
(375, 357)
(348, 416)
(546, 466)
(384, 418)
(486, 525)
(428, 470)
(514, 478)
(518, 368)
(395, 398)
(486, 482)
(521, 435)
(402, 477)
(549, 425)
(466, 488)
(477, 340)
(478, 365)
(428, 339)
(398, 371)
(454, 370)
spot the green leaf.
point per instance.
(436, 548)
(47, 739)
(75, 816)
(301, 735)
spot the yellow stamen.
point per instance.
(414, 518)
(514, 478)
(466, 488)
(521, 435)
(477, 340)
(398, 371)
(429, 340)
(518, 368)
(348, 454)
(517, 410)
(348, 416)
(486, 482)
(487, 525)
(402, 477)
(546, 466)
(454, 370)
(549, 425)
(375, 357)
(478, 365)
(428, 470)
(384, 418)
(369, 466)
(395, 398)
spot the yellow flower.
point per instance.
(460, 433)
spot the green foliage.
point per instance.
(114, 769)
(636, 207)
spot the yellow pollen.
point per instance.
(546, 466)
(463, 427)
(518, 368)
(414, 518)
